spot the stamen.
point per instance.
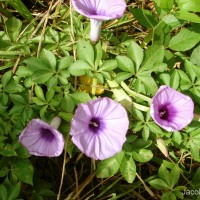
(92, 123)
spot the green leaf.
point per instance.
(185, 82)
(187, 16)
(154, 128)
(161, 34)
(98, 53)
(38, 102)
(164, 174)
(122, 76)
(195, 58)
(24, 71)
(85, 52)
(189, 5)
(175, 79)
(23, 169)
(6, 78)
(78, 68)
(49, 59)
(145, 133)
(159, 184)
(17, 99)
(190, 70)
(67, 104)
(135, 52)
(184, 40)
(13, 26)
(142, 155)
(165, 78)
(154, 54)
(128, 169)
(177, 138)
(144, 17)
(19, 6)
(149, 83)
(41, 76)
(36, 64)
(39, 93)
(8, 151)
(125, 64)
(174, 174)
(194, 149)
(3, 193)
(107, 168)
(141, 143)
(168, 196)
(108, 65)
(66, 116)
(172, 21)
(43, 110)
(52, 81)
(13, 191)
(65, 62)
(167, 4)
(50, 94)
(80, 97)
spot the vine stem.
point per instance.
(124, 99)
(133, 93)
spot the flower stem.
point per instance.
(131, 92)
(95, 30)
(196, 117)
(55, 123)
(94, 86)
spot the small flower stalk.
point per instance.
(99, 128)
(42, 139)
(98, 11)
(171, 109)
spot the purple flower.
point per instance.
(41, 139)
(98, 11)
(99, 128)
(170, 109)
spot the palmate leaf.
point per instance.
(85, 52)
(184, 40)
(135, 52)
(23, 169)
(128, 169)
(159, 184)
(125, 64)
(110, 166)
(48, 58)
(189, 5)
(188, 16)
(79, 67)
(154, 54)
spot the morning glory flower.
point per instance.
(99, 128)
(42, 139)
(171, 109)
(98, 11)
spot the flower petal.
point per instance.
(109, 135)
(41, 139)
(179, 107)
(100, 9)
